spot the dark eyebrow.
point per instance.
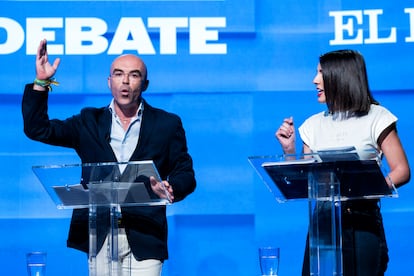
(133, 71)
(136, 71)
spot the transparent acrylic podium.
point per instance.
(325, 179)
(103, 188)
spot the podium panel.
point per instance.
(326, 179)
(103, 188)
(325, 228)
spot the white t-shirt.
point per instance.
(321, 131)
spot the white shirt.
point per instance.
(124, 142)
(321, 131)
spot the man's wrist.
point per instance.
(45, 84)
(39, 88)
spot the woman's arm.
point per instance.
(397, 160)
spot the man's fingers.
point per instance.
(56, 63)
(43, 49)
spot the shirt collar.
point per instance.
(139, 111)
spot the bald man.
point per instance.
(128, 129)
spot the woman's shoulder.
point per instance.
(379, 110)
(313, 120)
(317, 116)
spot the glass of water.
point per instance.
(36, 263)
(269, 260)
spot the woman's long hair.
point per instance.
(346, 83)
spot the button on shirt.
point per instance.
(124, 142)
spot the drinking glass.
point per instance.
(269, 260)
(36, 263)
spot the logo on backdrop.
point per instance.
(90, 36)
(348, 30)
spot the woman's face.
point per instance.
(318, 81)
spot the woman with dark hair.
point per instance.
(353, 119)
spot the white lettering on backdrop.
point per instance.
(348, 30)
(86, 35)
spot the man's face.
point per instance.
(127, 80)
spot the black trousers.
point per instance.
(364, 247)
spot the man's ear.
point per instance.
(145, 85)
(109, 82)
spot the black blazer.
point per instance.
(162, 139)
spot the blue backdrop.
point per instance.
(232, 70)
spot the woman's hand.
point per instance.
(286, 136)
